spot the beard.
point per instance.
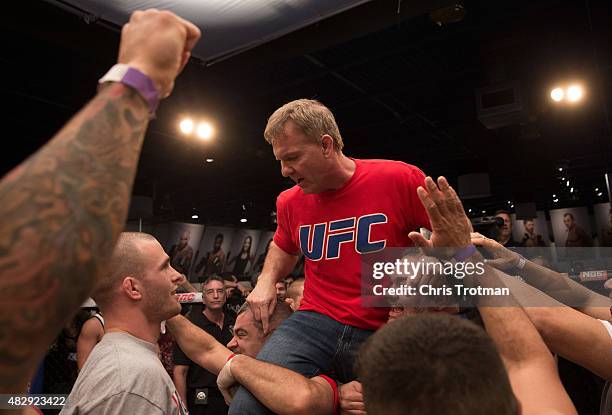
(161, 306)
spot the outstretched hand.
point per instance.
(504, 259)
(450, 225)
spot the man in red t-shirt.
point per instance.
(340, 209)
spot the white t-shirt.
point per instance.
(123, 375)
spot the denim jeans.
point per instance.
(311, 344)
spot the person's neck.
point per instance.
(216, 316)
(135, 324)
(341, 173)
(504, 238)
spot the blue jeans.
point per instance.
(311, 344)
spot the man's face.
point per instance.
(281, 291)
(248, 338)
(217, 244)
(301, 159)
(214, 295)
(297, 290)
(568, 221)
(529, 226)
(160, 282)
(183, 240)
(507, 224)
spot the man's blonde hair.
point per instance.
(311, 117)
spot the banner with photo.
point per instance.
(265, 238)
(571, 227)
(212, 252)
(241, 256)
(531, 233)
(179, 241)
(603, 222)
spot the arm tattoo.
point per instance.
(62, 210)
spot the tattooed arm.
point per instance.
(64, 207)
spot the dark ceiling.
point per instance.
(401, 87)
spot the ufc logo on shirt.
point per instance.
(325, 239)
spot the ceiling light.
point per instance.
(599, 194)
(574, 93)
(210, 160)
(204, 131)
(557, 94)
(194, 216)
(243, 220)
(571, 190)
(186, 126)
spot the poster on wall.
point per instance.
(571, 227)
(183, 237)
(265, 238)
(603, 221)
(212, 252)
(242, 253)
(531, 233)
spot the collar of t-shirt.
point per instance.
(207, 322)
(336, 192)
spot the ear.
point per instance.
(327, 145)
(132, 288)
(289, 301)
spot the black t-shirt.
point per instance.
(198, 377)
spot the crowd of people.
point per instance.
(307, 347)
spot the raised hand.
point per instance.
(158, 43)
(450, 225)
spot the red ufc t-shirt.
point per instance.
(375, 209)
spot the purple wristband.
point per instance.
(144, 85)
(137, 80)
(464, 253)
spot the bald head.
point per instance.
(295, 293)
(127, 260)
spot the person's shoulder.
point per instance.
(391, 172)
(92, 323)
(290, 194)
(388, 166)
(100, 371)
